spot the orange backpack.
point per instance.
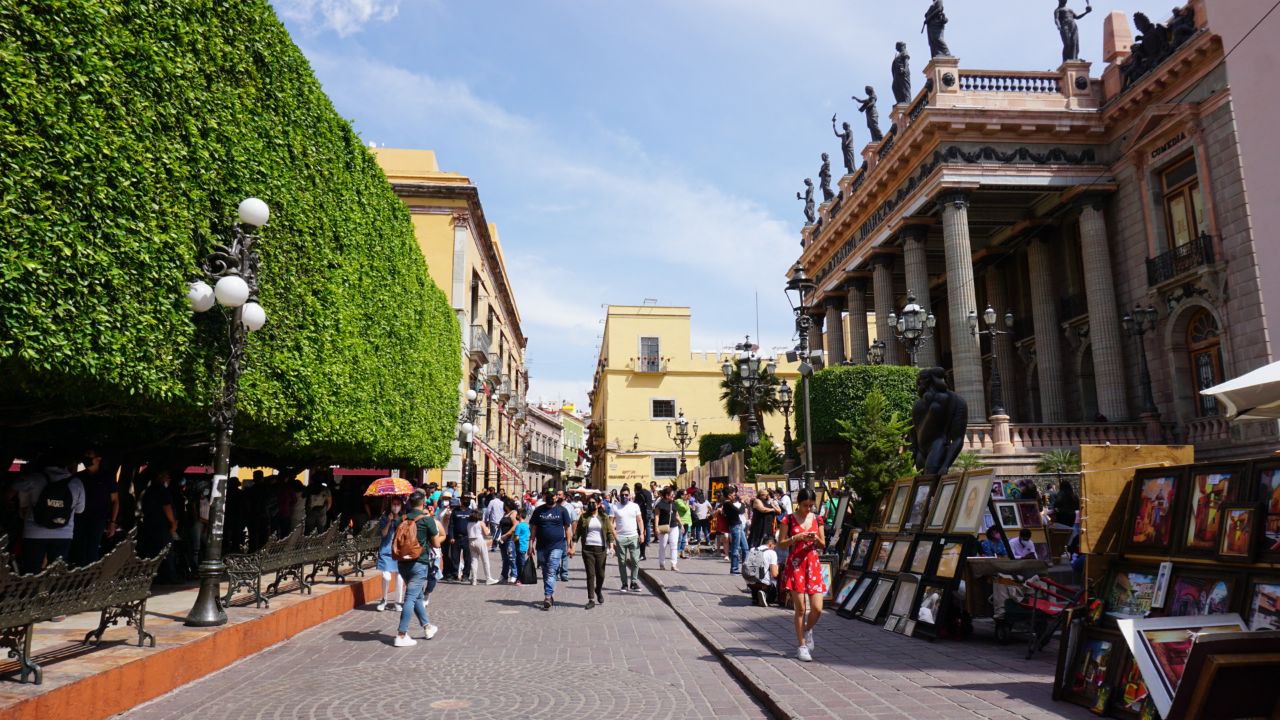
(405, 545)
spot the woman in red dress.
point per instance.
(803, 533)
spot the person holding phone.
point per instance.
(804, 536)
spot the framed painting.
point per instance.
(904, 596)
(1150, 522)
(898, 506)
(922, 554)
(891, 623)
(951, 552)
(882, 555)
(971, 503)
(860, 552)
(1007, 515)
(1131, 696)
(828, 579)
(847, 584)
(1262, 604)
(898, 556)
(943, 498)
(858, 595)
(1160, 647)
(874, 606)
(842, 511)
(1093, 671)
(882, 510)
(1196, 591)
(1131, 590)
(930, 607)
(1266, 491)
(997, 489)
(1208, 489)
(1238, 536)
(918, 507)
(1029, 514)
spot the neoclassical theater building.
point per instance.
(1068, 199)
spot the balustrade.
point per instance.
(1035, 436)
(980, 81)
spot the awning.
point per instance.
(1252, 396)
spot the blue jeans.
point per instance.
(684, 538)
(509, 565)
(419, 579)
(737, 547)
(550, 561)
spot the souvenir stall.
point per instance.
(1179, 554)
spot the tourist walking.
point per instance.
(521, 536)
(668, 530)
(477, 537)
(597, 534)
(644, 499)
(685, 517)
(701, 518)
(733, 511)
(48, 499)
(628, 526)
(493, 512)
(415, 554)
(551, 538)
(507, 541)
(387, 564)
(803, 535)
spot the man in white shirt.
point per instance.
(47, 530)
(784, 501)
(629, 527)
(492, 516)
(1022, 547)
(765, 591)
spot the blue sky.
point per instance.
(643, 149)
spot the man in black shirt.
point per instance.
(644, 499)
(733, 512)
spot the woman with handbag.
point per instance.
(595, 529)
(668, 530)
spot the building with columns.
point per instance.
(1068, 198)
(464, 257)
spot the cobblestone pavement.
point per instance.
(496, 656)
(860, 670)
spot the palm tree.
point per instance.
(734, 397)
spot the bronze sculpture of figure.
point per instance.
(935, 21)
(846, 146)
(809, 217)
(901, 70)
(868, 106)
(1065, 18)
(824, 179)
(939, 419)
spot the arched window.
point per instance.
(1205, 350)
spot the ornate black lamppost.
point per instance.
(233, 270)
(1137, 323)
(751, 371)
(784, 401)
(683, 436)
(801, 285)
(913, 327)
(875, 352)
(467, 433)
(992, 330)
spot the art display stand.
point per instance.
(1178, 553)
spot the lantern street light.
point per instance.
(913, 327)
(752, 371)
(801, 286)
(989, 319)
(1137, 323)
(467, 432)
(784, 400)
(683, 437)
(875, 352)
(233, 270)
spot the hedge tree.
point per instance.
(838, 394)
(709, 445)
(129, 131)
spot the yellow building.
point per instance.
(465, 259)
(646, 375)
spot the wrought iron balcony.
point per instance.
(480, 342)
(1180, 260)
(546, 460)
(649, 364)
(504, 388)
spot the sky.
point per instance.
(645, 150)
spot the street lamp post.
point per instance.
(683, 436)
(784, 400)
(751, 371)
(233, 269)
(801, 285)
(993, 331)
(875, 352)
(467, 426)
(1137, 323)
(913, 327)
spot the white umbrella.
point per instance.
(1252, 396)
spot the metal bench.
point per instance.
(287, 557)
(357, 551)
(118, 585)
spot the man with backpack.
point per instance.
(761, 572)
(48, 500)
(414, 548)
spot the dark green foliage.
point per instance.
(878, 454)
(764, 459)
(129, 131)
(709, 445)
(839, 392)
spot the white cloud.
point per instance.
(344, 17)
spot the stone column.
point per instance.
(966, 360)
(1044, 314)
(882, 288)
(1104, 320)
(815, 333)
(913, 241)
(858, 340)
(835, 332)
(1003, 349)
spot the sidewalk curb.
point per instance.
(779, 709)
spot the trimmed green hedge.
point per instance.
(709, 445)
(129, 131)
(838, 393)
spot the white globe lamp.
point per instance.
(468, 429)
(253, 316)
(471, 395)
(253, 212)
(231, 291)
(200, 295)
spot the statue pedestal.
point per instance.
(806, 235)
(944, 71)
(1076, 86)
(824, 210)
(871, 154)
(1001, 443)
(898, 115)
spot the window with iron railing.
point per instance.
(664, 467)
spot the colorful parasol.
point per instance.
(389, 486)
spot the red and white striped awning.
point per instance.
(504, 465)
